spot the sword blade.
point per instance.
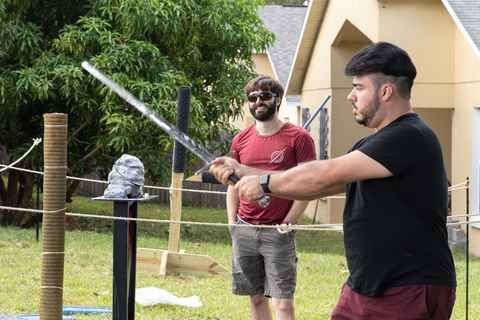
(149, 113)
(161, 122)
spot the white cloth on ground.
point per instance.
(150, 296)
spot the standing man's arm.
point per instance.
(296, 211)
(233, 202)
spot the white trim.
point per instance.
(293, 103)
(298, 46)
(474, 182)
(461, 27)
(271, 64)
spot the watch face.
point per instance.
(264, 180)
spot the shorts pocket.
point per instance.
(234, 228)
(292, 235)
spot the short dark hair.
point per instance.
(265, 83)
(386, 63)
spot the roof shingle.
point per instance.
(286, 23)
(468, 12)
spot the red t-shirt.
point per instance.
(282, 150)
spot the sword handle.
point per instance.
(264, 202)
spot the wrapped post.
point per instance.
(53, 227)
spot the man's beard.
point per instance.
(265, 116)
(370, 111)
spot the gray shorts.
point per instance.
(263, 261)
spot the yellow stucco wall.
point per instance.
(325, 76)
(443, 94)
(467, 88)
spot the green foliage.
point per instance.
(150, 47)
(282, 2)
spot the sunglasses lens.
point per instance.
(265, 96)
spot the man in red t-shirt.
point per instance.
(263, 259)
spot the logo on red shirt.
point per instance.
(277, 156)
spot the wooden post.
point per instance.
(175, 213)
(179, 164)
(53, 227)
(175, 260)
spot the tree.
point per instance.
(151, 48)
(282, 2)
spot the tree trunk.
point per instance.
(11, 196)
(3, 195)
(24, 199)
(71, 190)
(3, 191)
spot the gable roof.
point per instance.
(308, 36)
(466, 14)
(286, 22)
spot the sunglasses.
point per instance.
(264, 96)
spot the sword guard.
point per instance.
(209, 164)
(264, 202)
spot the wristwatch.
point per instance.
(264, 182)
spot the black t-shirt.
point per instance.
(395, 228)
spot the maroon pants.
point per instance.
(415, 302)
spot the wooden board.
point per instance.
(179, 263)
(197, 178)
(175, 213)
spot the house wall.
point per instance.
(432, 51)
(325, 76)
(467, 88)
(424, 29)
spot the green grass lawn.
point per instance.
(88, 267)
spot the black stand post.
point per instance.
(124, 256)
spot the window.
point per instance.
(305, 117)
(323, 142)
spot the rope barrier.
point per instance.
(465, 183)
(35, 143)
(464, 215)
(313, 227)
(31, 210)
(452, 188)
(297, 227)
(322, 227)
